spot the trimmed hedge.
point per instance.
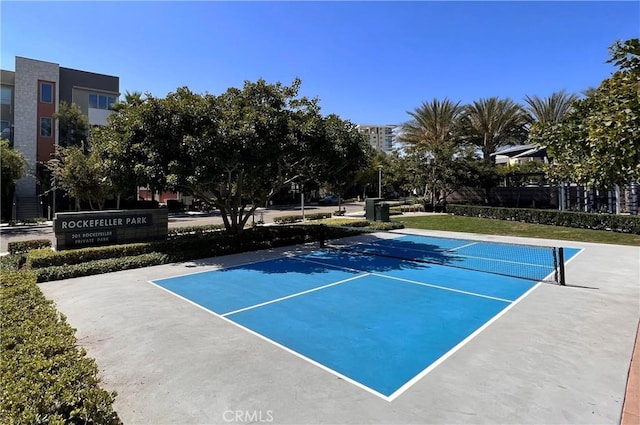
(12, 261)
(407, 208)
(25, 246)
(55, 265)
(365, 225)
(194, 230)
(288, 219)
(581, 220)
(45, 257)
(44, 377)
(348, 222)
(46, 274)
(388, 225)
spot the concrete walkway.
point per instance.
(560, 356)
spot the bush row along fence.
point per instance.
(564, 197)
(611, 222)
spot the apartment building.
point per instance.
(381, 137)
(29, 96)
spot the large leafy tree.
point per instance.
(13, 166)
(598, 144)
(432, 138)
(237, 150)
(79, 175)
(118, 162)
(492, 123)
(73, 125)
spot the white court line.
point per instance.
(277, 344)
(461, 344)
(463, 246)
(444, 288)
(297, 294)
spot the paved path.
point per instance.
(560, 356)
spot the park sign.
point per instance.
(97, 228)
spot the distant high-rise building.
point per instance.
(381, 137)
(29, 97)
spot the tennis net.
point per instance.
(529, 262)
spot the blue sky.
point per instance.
(369, 62)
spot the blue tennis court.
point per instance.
(366, 313)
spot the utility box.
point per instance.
(370, 208)
(382, 212)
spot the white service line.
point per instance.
(463, 246)
(444, 288)
(297, 294)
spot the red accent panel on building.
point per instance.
(46, 145)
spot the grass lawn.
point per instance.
(485, 226)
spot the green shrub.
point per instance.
(407, 208)
(385, 225)
(46, 257)
(26, 246)
(108, 265)
(194, 230)
(12, 261)
(581, 220)
(288, 219)
(362, 224)
(348, 222)
(44, 377)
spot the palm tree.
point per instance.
(433, 127)
(551, 109)
(432, 134)
(133, 98)
(492, 123)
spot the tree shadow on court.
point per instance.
(360, 257)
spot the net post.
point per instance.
(322, 235)
(561, 264)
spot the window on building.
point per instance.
(93, 101)
(4, 124)
(100, 101)
(45, 127)
(5, 95)
(46, 92)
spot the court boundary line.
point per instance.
(415, 282)
(407, 385)
(277, 344)
(297, 294)
(459, 346)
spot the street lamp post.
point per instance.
(302, 199)
(379, 181)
